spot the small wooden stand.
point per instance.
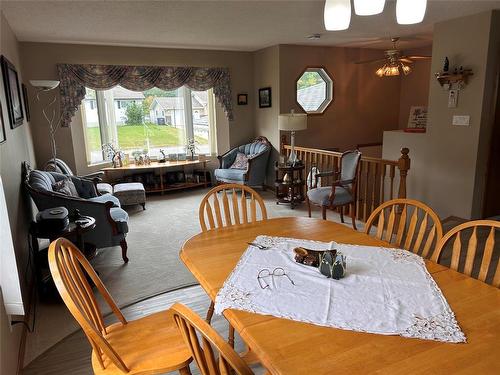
(290, 190)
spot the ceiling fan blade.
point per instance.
(406, 60)
(371, 61)
(418, 57)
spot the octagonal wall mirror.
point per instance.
(314, 90)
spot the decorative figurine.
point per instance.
(446, 66)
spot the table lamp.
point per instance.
(292, 122)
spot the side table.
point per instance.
(74, 232)
(289, 184)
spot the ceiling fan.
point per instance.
(395, 62)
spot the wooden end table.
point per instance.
(289, 184)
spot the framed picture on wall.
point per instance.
(242, 99)
(265, 97)
(26, 102)
(2, 127)
(12, 93)
(417, 121)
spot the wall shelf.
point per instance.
(449, 79)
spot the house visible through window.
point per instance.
(147, 121)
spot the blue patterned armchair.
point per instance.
(111, 220)
(254, 174)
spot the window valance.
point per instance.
(75, 77)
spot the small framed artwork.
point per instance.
(417, 121)
(242, 99)
(2, 127)
(265, 97)
(12, 93)
(26, 102)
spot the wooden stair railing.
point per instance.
(379, 180)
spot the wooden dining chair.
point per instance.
(149, 345)
(212, 345)
(416, 235)
(230, 210)
(472, 256)
(239, 208)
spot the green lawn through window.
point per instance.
(134, 137)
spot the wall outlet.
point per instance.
(461, 120)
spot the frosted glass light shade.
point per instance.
(44, 85)
(337, 14)
(368, 7)
(409, 12)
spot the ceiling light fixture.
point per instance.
(393, 69)
(368, 7)
(409, 12)
(337, 14)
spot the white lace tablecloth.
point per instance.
(385, 291)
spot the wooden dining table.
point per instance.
(289, 347)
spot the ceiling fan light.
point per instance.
(409, 12)
(337, 14)
(368, 7)
(406, 69)
(380, 71)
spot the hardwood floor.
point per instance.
(72, 354)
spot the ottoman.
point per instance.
(130, 193)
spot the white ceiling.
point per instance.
(227, 25)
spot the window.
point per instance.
(314, 90)
(148, 121)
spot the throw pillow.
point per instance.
(241, 161)
(66, 187)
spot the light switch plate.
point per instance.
(461, 120)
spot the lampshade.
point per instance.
(337, 14)
(44, 85)
(368, 7)
(410, 11)
(292, 121)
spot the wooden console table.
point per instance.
(162, 168)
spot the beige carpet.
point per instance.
(155, 238)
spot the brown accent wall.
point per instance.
(364, 104)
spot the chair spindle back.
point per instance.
(211, 346)
(71, 272)
(472, 248)
(221, 209)
(416, 235)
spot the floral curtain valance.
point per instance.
(75, 77)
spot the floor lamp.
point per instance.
(46, 86)
(292, 122)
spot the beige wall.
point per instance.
(454, 157)
(17, 148)
(40, 61)
(364, 104)
(266, 74)
(414, 89)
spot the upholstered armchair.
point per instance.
(111, 220)
(257, 154)
(342, 192)
(60, 166)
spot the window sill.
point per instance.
(99, 164)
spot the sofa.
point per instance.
(111, 220)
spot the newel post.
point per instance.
(403, 166)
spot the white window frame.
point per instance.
(109, 134)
